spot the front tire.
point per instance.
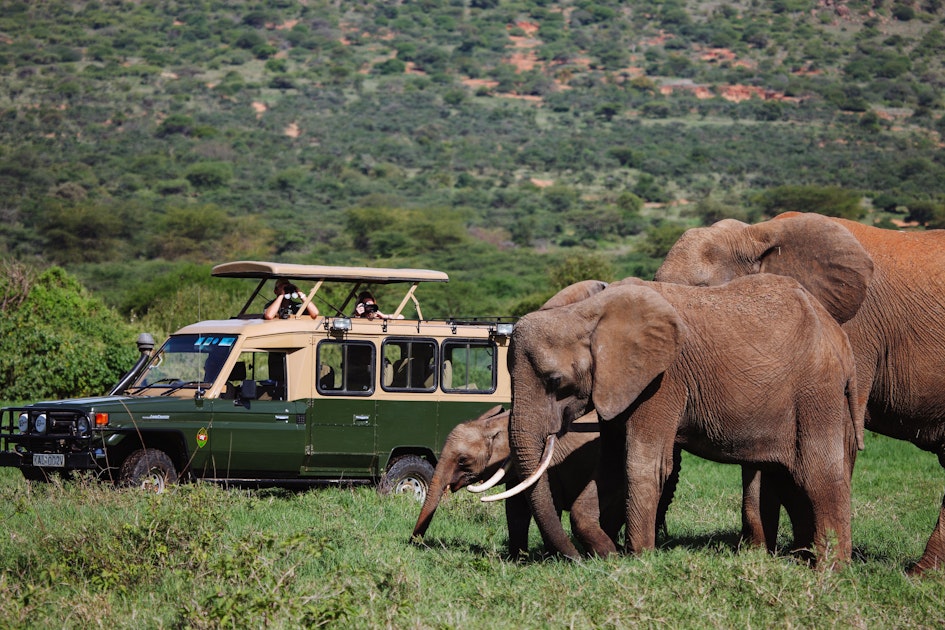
(411, 475)
(149, 469)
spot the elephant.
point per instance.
(475, 450)
(755, 372)
(897, 334)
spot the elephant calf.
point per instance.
(478, 448)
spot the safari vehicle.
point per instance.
(283, 401)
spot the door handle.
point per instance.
(362, 418)
(284, 418)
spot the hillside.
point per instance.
(140, 135)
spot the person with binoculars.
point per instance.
(368, 309)
(285, 303)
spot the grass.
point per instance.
(83, 555)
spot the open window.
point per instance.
(266, 369)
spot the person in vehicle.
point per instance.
(287, 302)
(368, 309)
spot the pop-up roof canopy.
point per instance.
(325, 273)
(371, 275)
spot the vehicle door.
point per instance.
(257, 427)
(343, 417)
(407, 404)
(468, 371)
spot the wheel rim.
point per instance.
(412, 486)
(154, 481)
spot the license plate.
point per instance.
(49, 460)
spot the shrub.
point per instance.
(828, 200)
(60, 342)
(660, 239)
(209, 174)
(580, 267)
(175, 124)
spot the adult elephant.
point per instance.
(755, 372)
(477, 451)
(897, 334)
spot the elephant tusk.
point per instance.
(493, 480)
(535, 476)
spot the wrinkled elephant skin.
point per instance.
(475, 449)
(897, 334)
(755, 372)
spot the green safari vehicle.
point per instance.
(286, 401)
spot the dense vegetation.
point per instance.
(514, 144)
(82, 555)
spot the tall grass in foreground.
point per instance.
(85, 555)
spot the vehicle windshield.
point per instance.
(185, 362)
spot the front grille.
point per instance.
(63, 428)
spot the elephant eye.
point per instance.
(553, 384)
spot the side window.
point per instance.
(468, 366)
(266, 368)
(345, 367)
(409, 364)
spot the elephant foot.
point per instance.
(934, 556)
(925, 564)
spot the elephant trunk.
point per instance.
(441, 479)
(527, 456)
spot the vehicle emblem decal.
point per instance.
(202, 437)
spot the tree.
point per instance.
(927, 213)
(210, 174)
(660, 239)
(60, 342)
(832, 201)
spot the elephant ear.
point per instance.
(637, 337)
(574, 293)
(820, 254)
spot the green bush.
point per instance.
(828, 200)
(210, 174)
(60, 342)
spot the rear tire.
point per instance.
(411, 475)
(149, 469)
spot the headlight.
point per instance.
(24, 423)
(40, 423)
(82, 426)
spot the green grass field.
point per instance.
(84, 555)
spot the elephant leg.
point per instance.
(830, 507)
(761, 508)
(518, 517)
(752, 528)
(585, 523)
(649, 465)
(669, 490)
(777, 488)
(934, 556)
(610, 477)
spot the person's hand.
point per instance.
(359, 309)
